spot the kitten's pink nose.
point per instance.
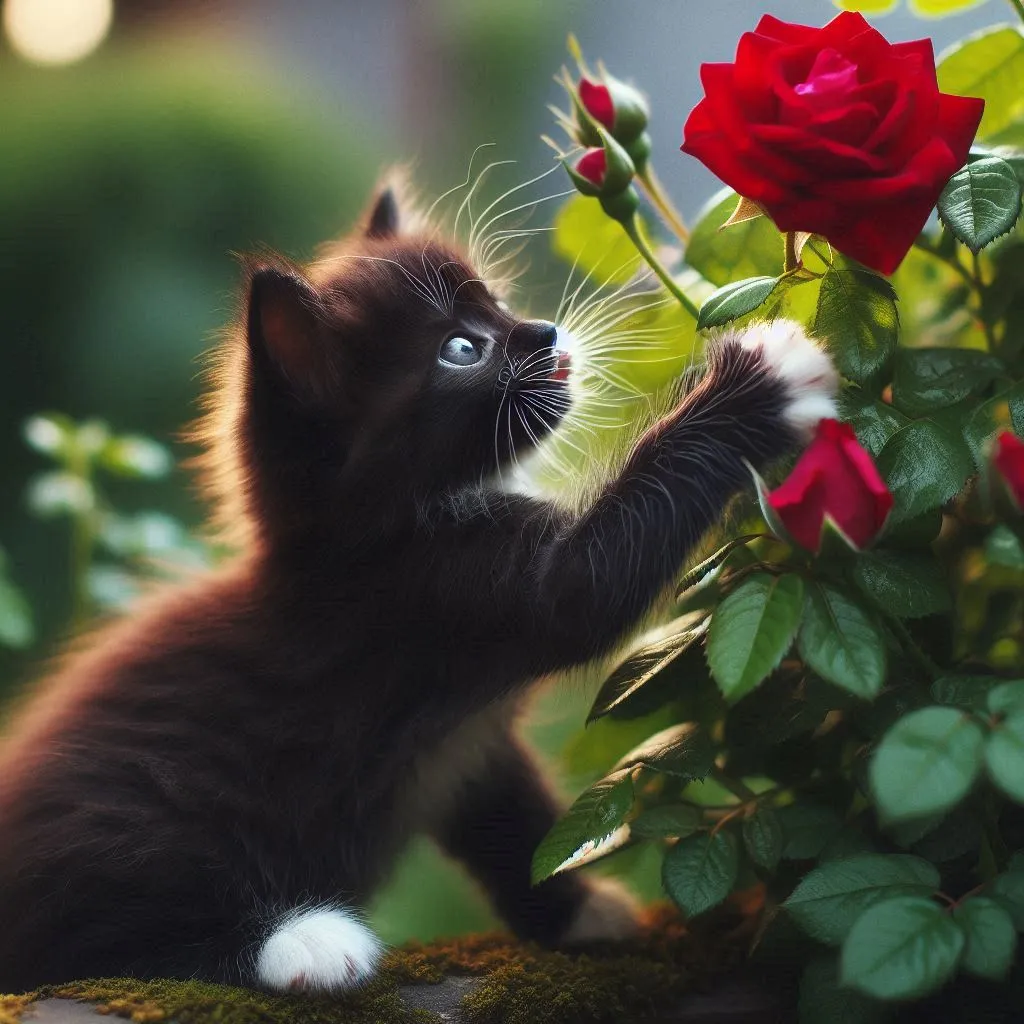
(563, 363)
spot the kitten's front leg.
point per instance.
(496, 818)
(592, 580)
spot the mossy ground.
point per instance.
(521, 984)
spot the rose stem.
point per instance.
(651, 185)
(631, 229)
(925, 663)
(974, 280)
(979, 287)
(791, 262)
(1018, 6)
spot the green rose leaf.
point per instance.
(734, 300)
(970, 692)
(666, 820)
(1006, 698)
(640, 668)
(763, 837)
(932, 378)
(593, 826)
(1004, 547)
(1004, 755)
(942, 8)
(981, 202)
(989, 418)
(751, 630)
(682, 750)
(924, 465)
(699, 871)
(902, 948)
(874, 424)
(907, 584)
(749, 249)
(831, 897)
(808, 829)
(857, 318)
(1008, 890)
(991, 937)
(926, 763)
(841, 641)
(989, 65)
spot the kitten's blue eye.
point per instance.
(460, 352)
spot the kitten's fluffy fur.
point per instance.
(213, 787)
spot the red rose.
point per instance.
(1009, 460)
(834, 131)
(834, 477)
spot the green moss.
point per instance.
(521, 984)
(194, 1002)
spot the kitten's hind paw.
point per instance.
(321, 950)
(608, 911)
(803, 367)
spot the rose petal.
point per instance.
(1008, 457)
(816, 154)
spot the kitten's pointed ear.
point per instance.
(385, 218)
(288, 333)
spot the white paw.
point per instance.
(608, 911)
(320, 950)
(806, 370)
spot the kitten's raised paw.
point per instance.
(321, 950)
(607, 911)
(806, 370)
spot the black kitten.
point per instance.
(214, 787)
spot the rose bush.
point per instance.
(834, 709)
(834, 131)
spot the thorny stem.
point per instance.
(652, 187)
(631, 229)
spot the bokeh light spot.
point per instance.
(56, 31)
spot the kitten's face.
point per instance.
(403, 357)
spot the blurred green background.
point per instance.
(131, 174)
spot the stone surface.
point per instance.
(61, 1011)
(442, 999)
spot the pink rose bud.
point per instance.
(834, 478)
(1009, 460)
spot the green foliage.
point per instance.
(700, 870)
(751, 631)
(981, 202)
(857, 319)
(16, 625)
(831, 897)
(901, 948)
(990, 65)
(735, 300)
(840, 640)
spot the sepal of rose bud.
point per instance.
(619, 107)
(1008, 458)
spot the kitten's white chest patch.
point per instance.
(319, 950)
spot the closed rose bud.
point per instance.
(606, 171)
(619, 107)
(1009, 460)
(834, 479)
